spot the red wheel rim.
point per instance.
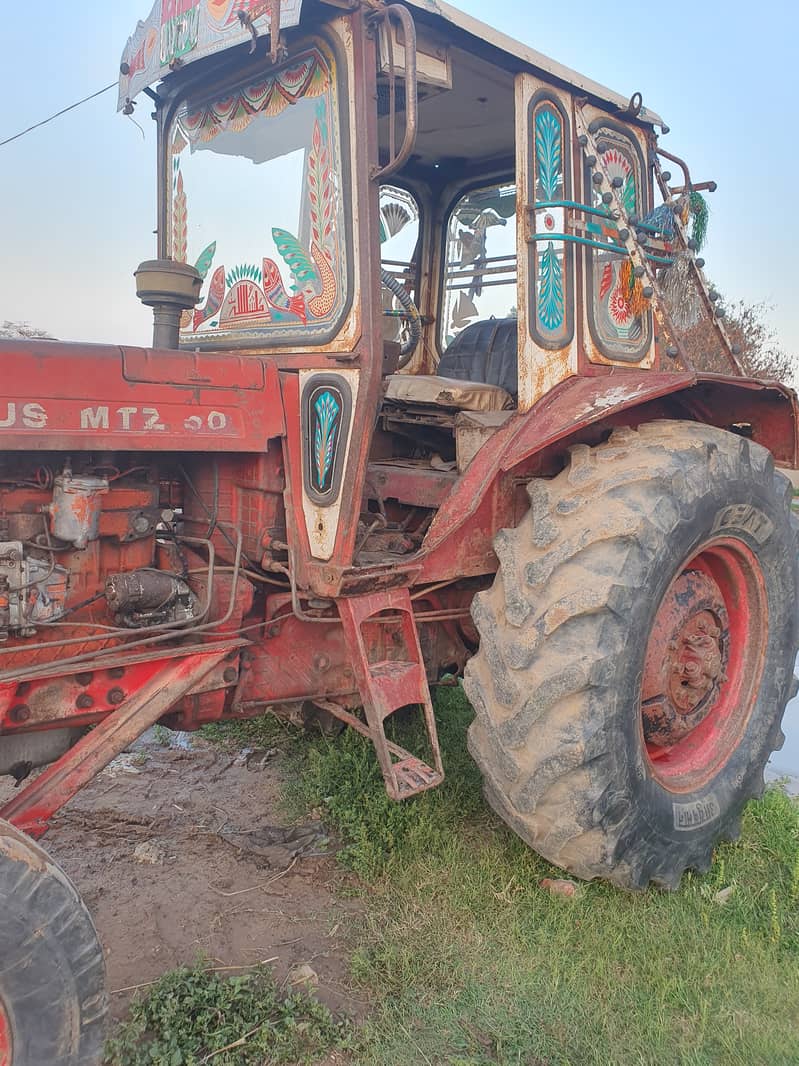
(5, 1038)
(703, 665)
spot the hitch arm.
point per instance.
(31, 809)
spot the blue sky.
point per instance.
(77, 198)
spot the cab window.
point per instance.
(257, 203)
(480, 265)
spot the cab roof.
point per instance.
(528, 57)
(183, 31)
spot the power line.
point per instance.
(58, 114)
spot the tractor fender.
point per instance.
(767, 409)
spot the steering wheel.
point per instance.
(409, 314)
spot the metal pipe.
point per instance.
(574, 205)
(614, 248)
(405, 19)
(680, 163)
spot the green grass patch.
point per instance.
(192, 1015)
(470, 962)
(265, 731)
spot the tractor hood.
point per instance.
(97, 397)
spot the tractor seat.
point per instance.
(477, 372)
(486, 351)
(430, 389)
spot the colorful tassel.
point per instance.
(701, 213)
(632, 289)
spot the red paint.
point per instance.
(6, 1050)
(733, 595)
(85, 397)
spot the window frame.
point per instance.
(494, 180)
(228, 78)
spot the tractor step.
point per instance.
(373, 625)
(413, 776)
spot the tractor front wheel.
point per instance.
(52, 973)
(636, 652)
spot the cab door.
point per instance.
(617, 325)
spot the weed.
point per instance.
(191, 1016)
(162, 735)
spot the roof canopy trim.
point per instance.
(179, 32)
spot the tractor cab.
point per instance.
(425, 226)
(403, 187)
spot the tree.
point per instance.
(16, 331)
(761, 354)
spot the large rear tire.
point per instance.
(636, 652)
(52, 972)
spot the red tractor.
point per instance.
(417, 405)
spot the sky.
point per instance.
(77, 198)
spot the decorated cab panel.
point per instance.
(326, 411)
(327, 401)
(552, 302)
(257, 205)
(618, 313)
(545, 252)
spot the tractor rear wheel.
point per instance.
(52, 972)
(636, 652)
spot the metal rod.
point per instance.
(575, 205)
(701, 186)
(572, 239)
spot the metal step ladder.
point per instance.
(644, 268)
(388, 684)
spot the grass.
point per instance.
(192, 1016)
(468, 962)
(268, 731)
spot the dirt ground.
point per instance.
(203, 893)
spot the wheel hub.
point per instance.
(686, 659)
(703, 664)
